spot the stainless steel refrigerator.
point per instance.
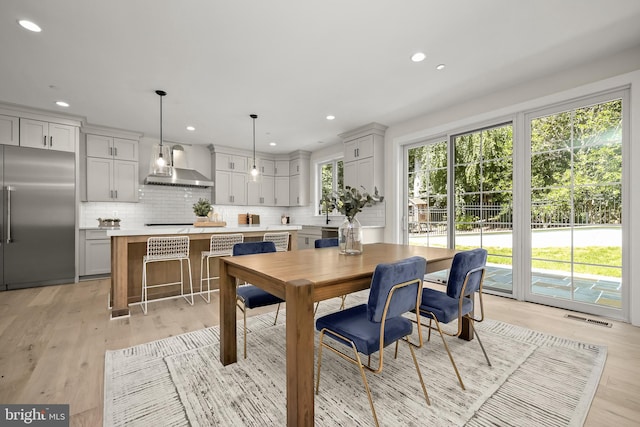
(37, 225)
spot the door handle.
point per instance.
(9, 190)
(50, 141)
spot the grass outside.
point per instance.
(608, 259)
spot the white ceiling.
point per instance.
(291, 62)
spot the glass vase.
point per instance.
(350, 237)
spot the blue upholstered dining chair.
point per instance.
(250, 296)
(327, 242)
(466, 276)
(368, 328)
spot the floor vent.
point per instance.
(593, 321)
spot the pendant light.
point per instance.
(160, 154)
(254, 175)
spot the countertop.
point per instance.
(182, 229)
(336, 226)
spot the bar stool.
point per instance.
(281, 240)
(160, 249)
(220, 245)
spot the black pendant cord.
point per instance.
(254, 117)
(161, 93)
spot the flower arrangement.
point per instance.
(202, 207)
(350, 201)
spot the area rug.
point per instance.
(536, 379)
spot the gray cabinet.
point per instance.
(95, 252)
(47, 136)
(363, 157)
(281, 190)
(230, 188)
(299, 178)
(261, 193)
(9, 130)
(307, 236)
(111, 169)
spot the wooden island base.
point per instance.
(129, 246)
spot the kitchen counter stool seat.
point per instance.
(162, 249)
(219, 245)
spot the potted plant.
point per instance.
(202, 208)
(349, 202)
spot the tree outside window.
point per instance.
(331, 180)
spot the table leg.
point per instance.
(300, 351)
(228, 340)
(467, 328)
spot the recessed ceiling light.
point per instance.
(28, 25)
(62, 104)
(273, 144)
(330, 117)
(440, 67)
(418, 57)
(190, 128)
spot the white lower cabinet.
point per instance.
(95, 252)
(307, 237)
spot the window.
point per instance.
(331, 180)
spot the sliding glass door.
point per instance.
(468, 202)
(576, 206)
(483, 199)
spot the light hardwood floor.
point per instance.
(53, 340)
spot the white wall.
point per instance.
(605, 74)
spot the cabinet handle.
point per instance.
(116, 151)
(44, 140)
(110, 151)
(50, 141)
(116, 193)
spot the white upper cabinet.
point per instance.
(266, 167)
(108, 147)
(231, 162)
(363, 157)
(281, 190)
(299, 178)
(47, 136)
(282, 168)
(9, 130)
(111, 168)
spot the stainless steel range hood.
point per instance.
(180, 178)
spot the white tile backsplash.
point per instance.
(160, 204)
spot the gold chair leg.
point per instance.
(455, 368)
(395, 356)
(319, 361)
(481, 346)
(315, 310)
(344, 297)
(415, 362)
(244, 315)
(366, 385)
(276, 319)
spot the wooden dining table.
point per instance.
(301, 278)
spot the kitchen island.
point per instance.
(129, 245)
